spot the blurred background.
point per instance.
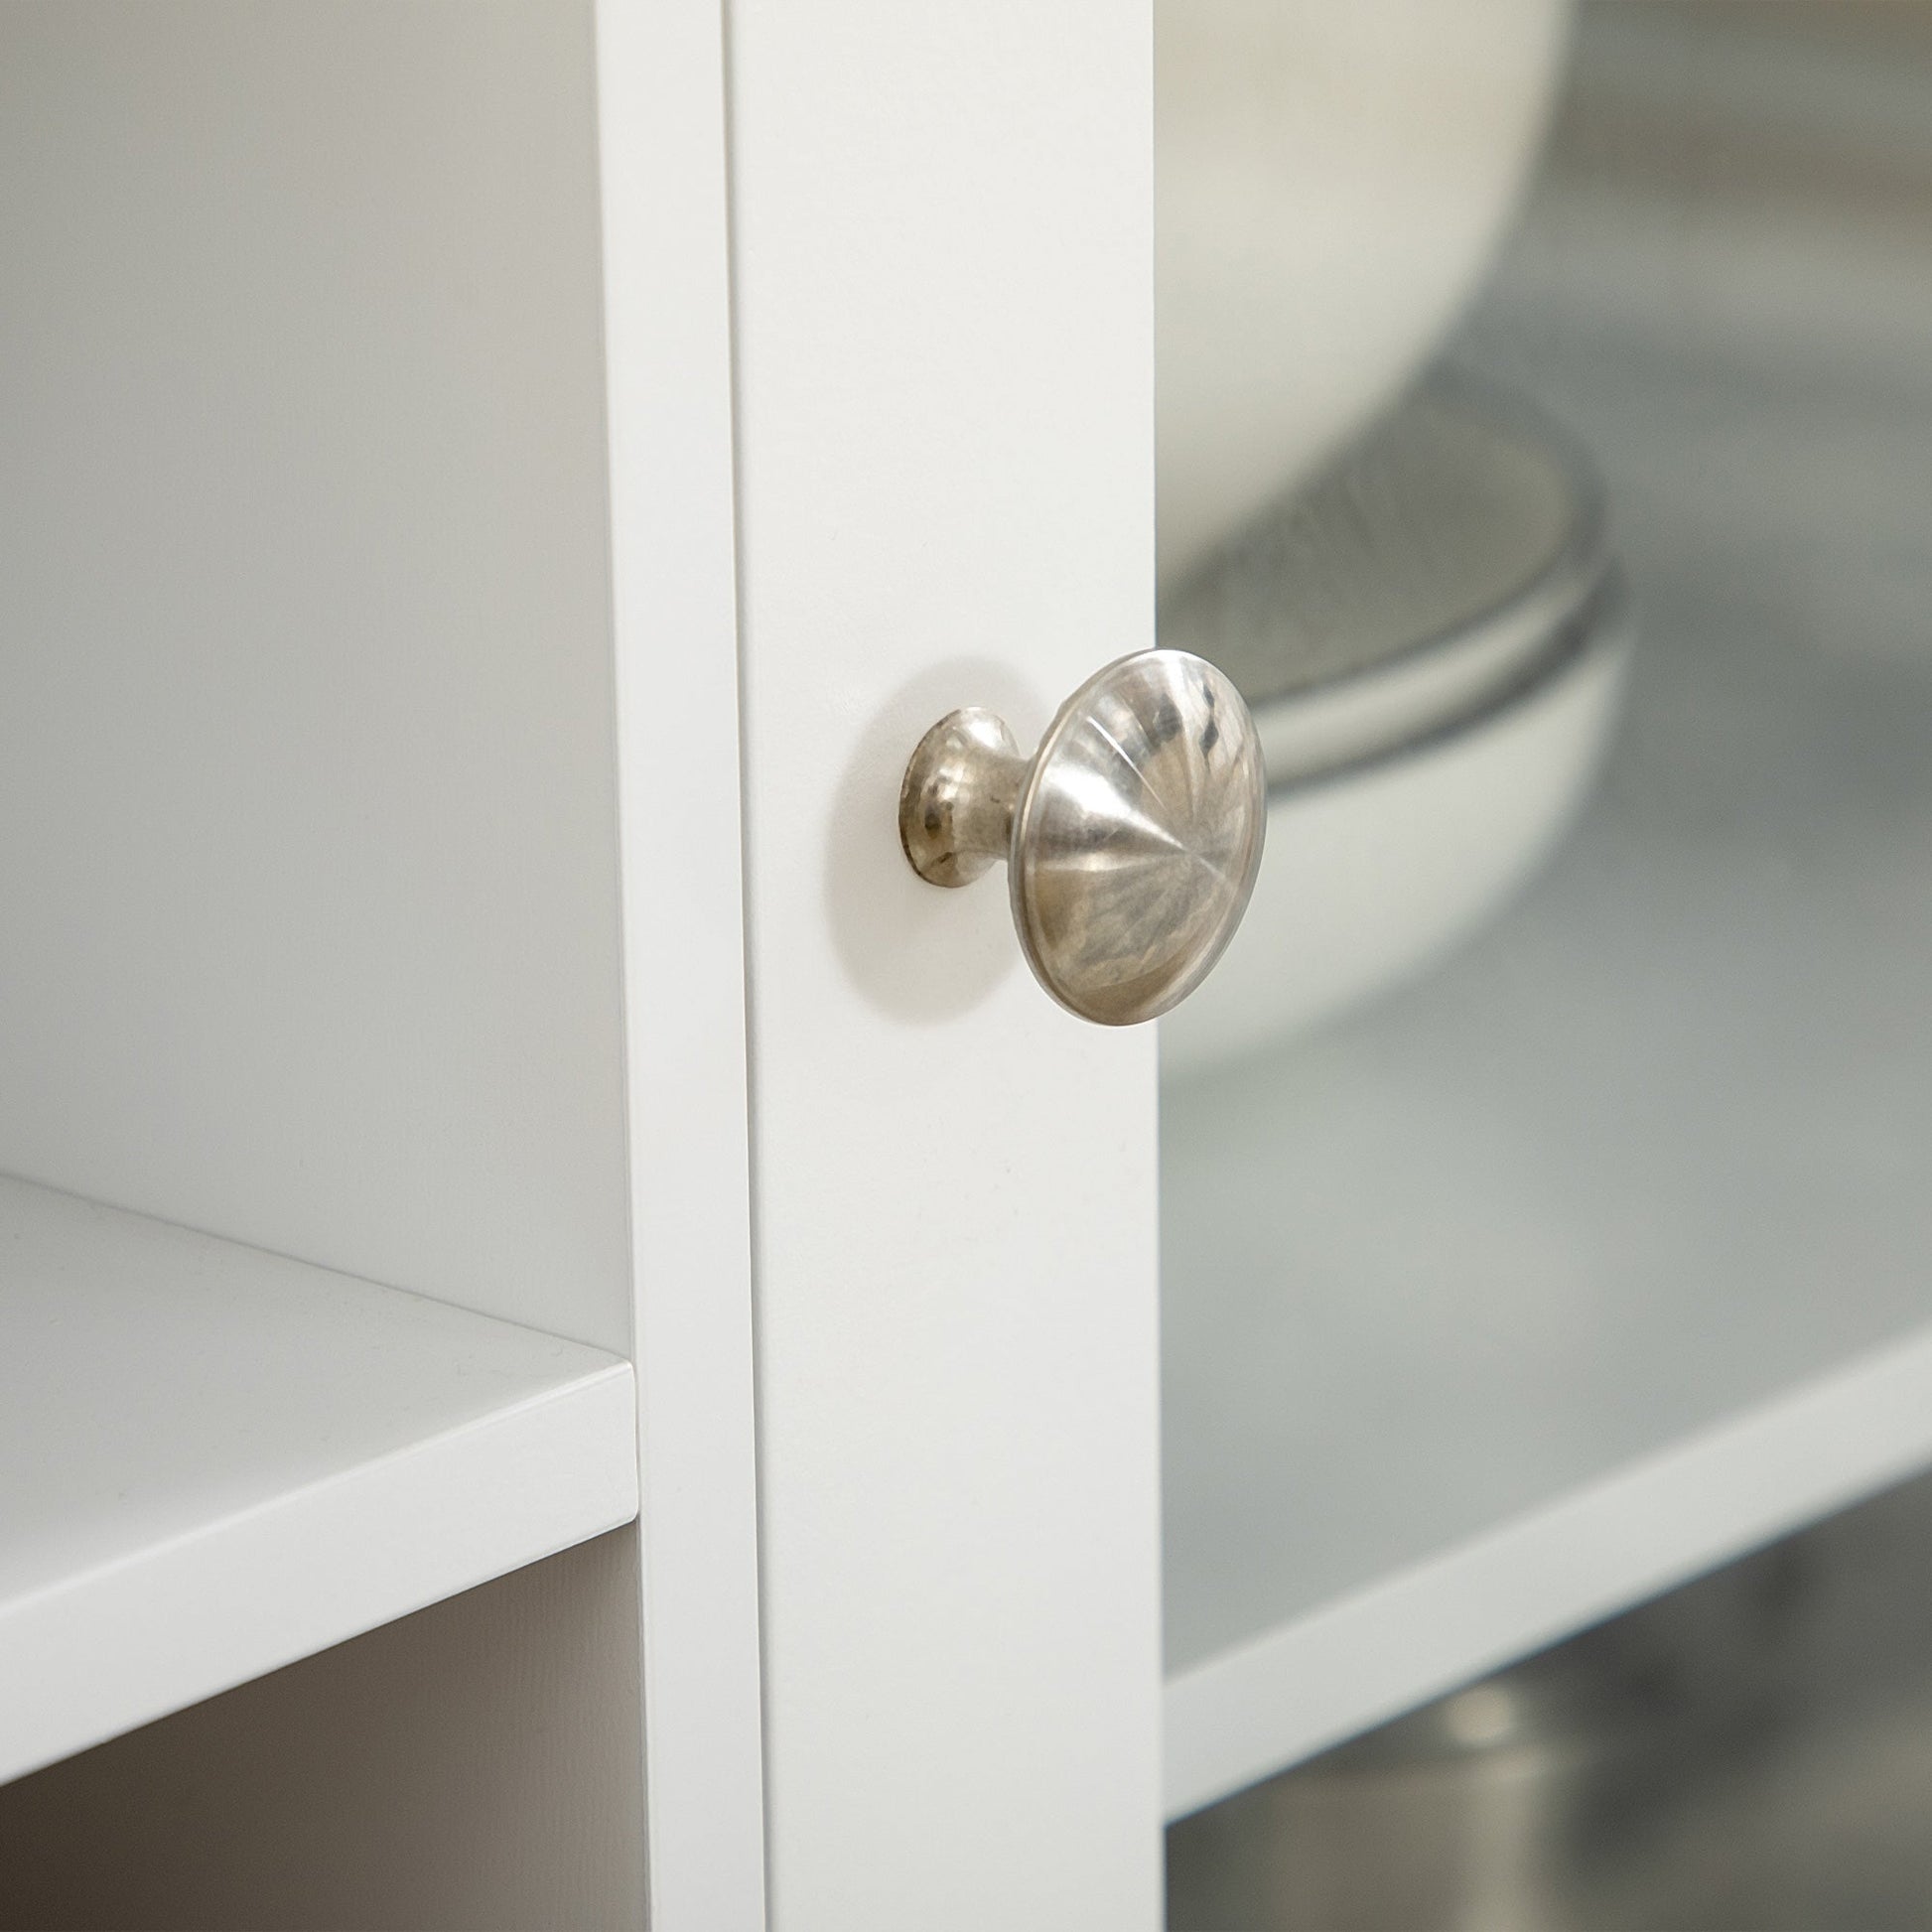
(1751, 1751)
(1555, 475)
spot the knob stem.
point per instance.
(958, 799)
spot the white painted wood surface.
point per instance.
(667, 346)
(308, 826)
(941, 260)
(213, 1461)
(364, 903)
(368, 519)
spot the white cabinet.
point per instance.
(419, 418)
(525, 1210)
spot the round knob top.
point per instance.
(1137, 836)
(1133, 834)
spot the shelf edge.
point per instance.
(1541, 1575)
(119, 1646)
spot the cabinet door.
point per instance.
(941, 263)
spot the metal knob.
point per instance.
(1131, 835)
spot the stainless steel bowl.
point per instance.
(1750, 1753)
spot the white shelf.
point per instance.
(213, 1461)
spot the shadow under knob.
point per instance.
(1132, 836)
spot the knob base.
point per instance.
(957, 801)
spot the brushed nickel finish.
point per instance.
(1131, 835)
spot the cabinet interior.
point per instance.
(307, 834)
(1599, 1255)
(310, 941)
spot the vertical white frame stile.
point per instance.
(941, 273)
(667, 349)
